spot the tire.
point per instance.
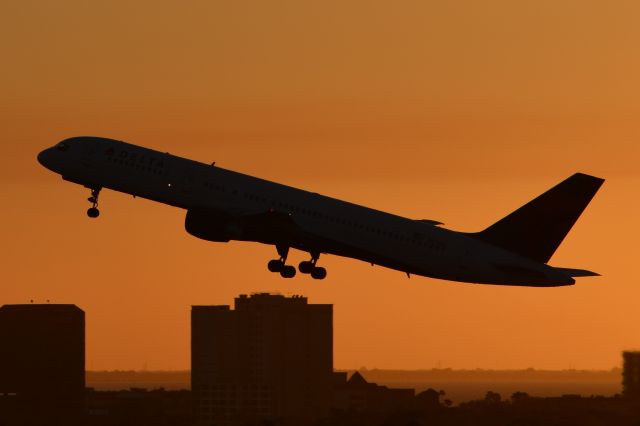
(305, 267)
(319, 273)
(275, 265)
(288, 271)
(93, 212)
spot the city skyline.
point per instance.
(268, 360)
(457, 114)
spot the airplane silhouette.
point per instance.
(223, 205)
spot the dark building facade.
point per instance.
(42, 364)
(631, 374)
(270, 358)
(138, 407)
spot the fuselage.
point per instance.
(225, 205)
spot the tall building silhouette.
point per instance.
(631, 374)
(270, 358)
(42, 361)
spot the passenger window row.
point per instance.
(215, 187)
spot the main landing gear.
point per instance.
(93, 211)
(279, 265)
(305, 267)
(309, 267)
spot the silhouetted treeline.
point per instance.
(139, 407)
(519, 409)
(466, 385)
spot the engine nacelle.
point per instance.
(207, 226)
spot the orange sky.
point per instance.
(455, 111)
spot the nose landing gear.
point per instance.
(93, 211)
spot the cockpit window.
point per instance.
(62, 146)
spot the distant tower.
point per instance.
(41, 364)
(631, 374)
(269, 359)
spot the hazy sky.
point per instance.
(455, 111)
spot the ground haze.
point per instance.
(459, 385)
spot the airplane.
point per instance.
(223, 205)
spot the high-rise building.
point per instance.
(41, 364)
(270, 358)
(631, 374)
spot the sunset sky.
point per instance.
(457, 111)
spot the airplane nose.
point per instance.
(44, 158)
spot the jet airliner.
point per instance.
(222, 205)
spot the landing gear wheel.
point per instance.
(275, 265)
(93, 212)
(319, 273)
(288, 271)
(305, 267)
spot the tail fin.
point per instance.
(536, 229)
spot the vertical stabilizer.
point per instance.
(536, 229)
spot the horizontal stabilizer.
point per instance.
(577, 272)
(430, 222)
(536, 229)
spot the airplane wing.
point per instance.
(271, 223)
(222, 223)
(268, 226)
(278, 227)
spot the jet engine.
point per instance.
(208, 225)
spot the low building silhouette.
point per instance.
(356, 394)
(42, 361)
(631, 374)
(269, 359)
(138, 407)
